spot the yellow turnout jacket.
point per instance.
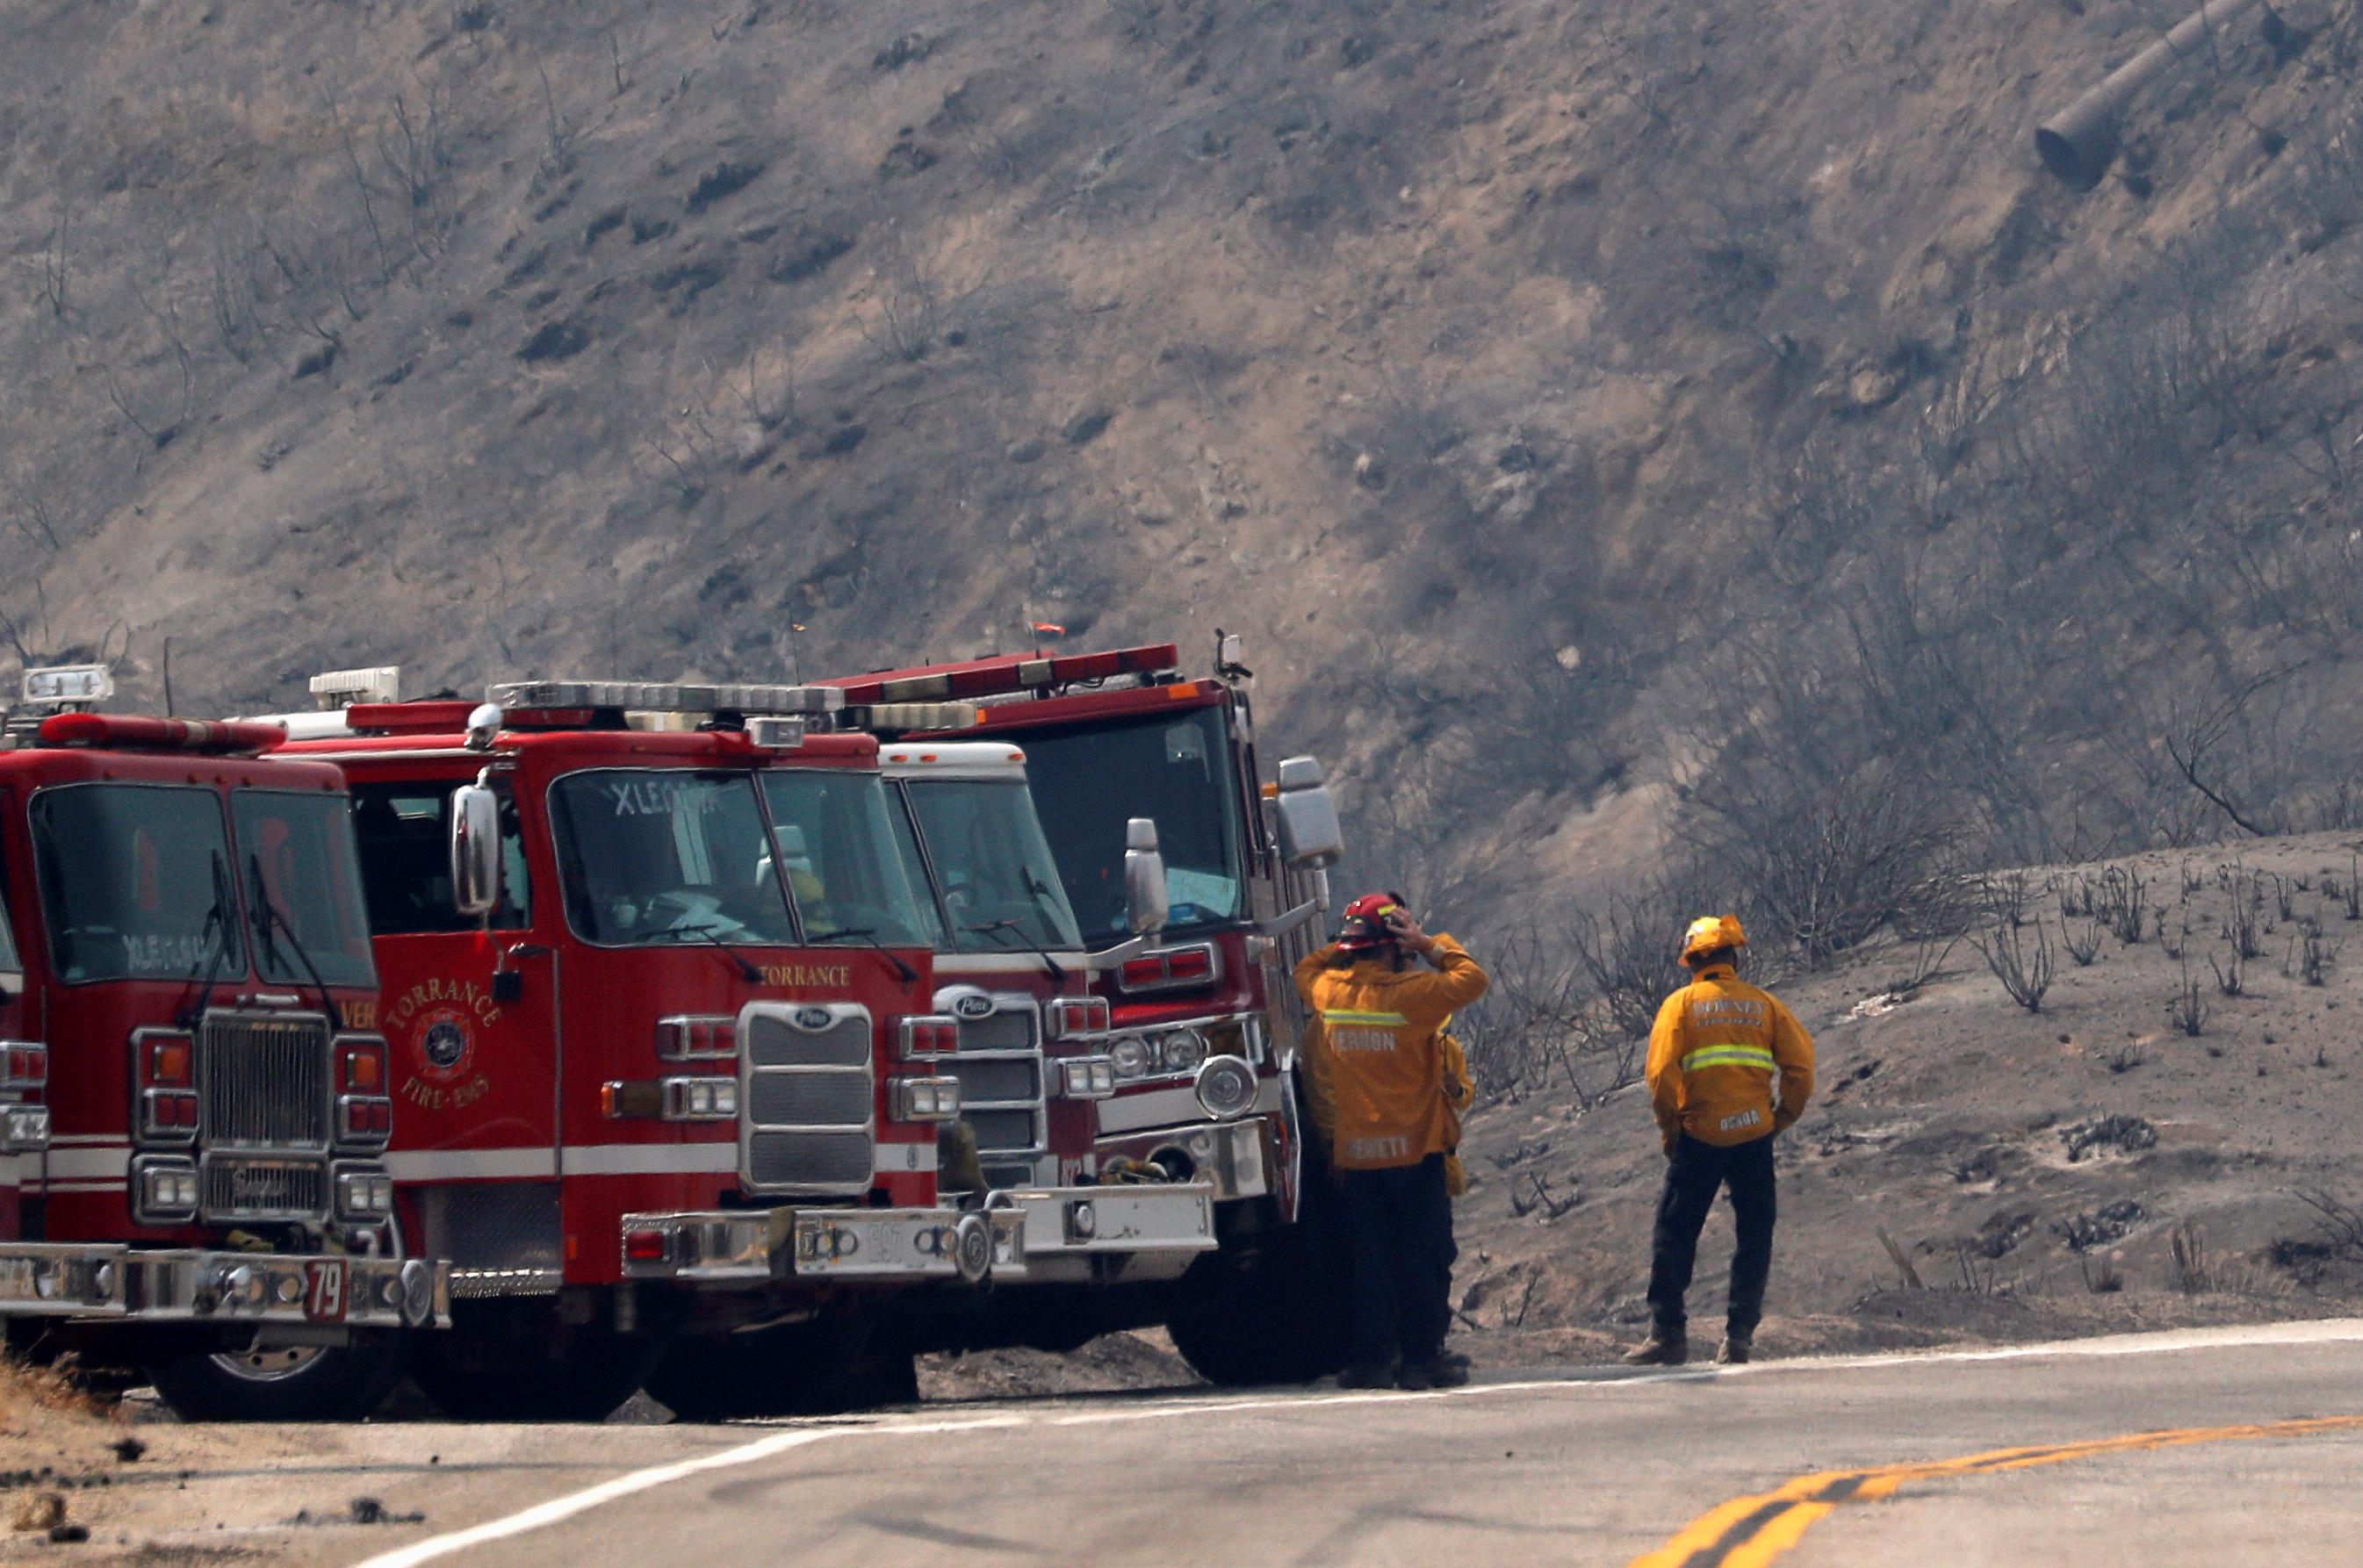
(1380, 1061)
(1713, 1056)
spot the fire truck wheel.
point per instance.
(579, 1377)
(1281, 1319)
(284, 1383)
(818, 1368)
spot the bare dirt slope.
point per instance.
(1452, 351)
(2037, 1171)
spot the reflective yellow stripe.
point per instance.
(1730, 1057)
(1368, 1019)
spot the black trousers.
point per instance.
(1694, 1175)
(1399, 1236)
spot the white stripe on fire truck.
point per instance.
(56, 1186)
(67, 1165)
(470, 1165)
(60, 1140)
(892, 1159)
(647, 1159)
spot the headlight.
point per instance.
(926, 1099)
(364, 1195)
(1087, 1078)
(1183, 1049)
(1228, 1087)
(1132, 1057)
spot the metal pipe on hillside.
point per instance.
(2078, 143)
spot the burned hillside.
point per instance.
(1610, 425)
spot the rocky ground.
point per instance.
(2146, 1150)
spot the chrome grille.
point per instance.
(827, 1160)
(772, 1040)
(810, 1099)
(1007, 1078)
(265, 1080)
(1001, 1075)
(234, 1189)
(807, 1097)
(1010, 1028)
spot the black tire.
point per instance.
(1279, 1316)
(297, 1382)
(570, 1376)
(797, 1369)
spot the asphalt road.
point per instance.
(2211, 1447)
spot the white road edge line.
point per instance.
(2319, 1331)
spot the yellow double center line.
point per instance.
(1749, 1531)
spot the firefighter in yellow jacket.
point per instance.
(1378, 1064)
(1718, 1047)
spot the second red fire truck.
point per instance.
(659, 997)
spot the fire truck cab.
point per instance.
(1125, 757)
(194, 1097)
(1035, 1052)
(657, 998)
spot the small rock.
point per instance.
(129, 1448)
(1086, 425)
(68, 1534)
(1873, 386)
(37, 1510)
(365, 1510)
(1026, 451)
(1570, 658)
(1369, 472)
(905, 50)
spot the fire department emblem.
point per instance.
(446, 1045)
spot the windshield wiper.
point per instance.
(868, 937)
(216, 926)
(713, 936)
(271, 917)
(1004, 931)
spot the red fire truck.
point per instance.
(657, 990)
(1126, 756)
(193, 1100)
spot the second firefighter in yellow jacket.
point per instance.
(1729, 1068)
(1378, 1066)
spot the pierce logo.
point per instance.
(813, 1018)
(973, 1005)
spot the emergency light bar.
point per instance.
(986, 677)
(124, 732)
(343, 687)
(910, 716)
(655, 697)
(61, 683)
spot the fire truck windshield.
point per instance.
(993, 870)
(648, 857)
(129, 876)
(301, 848)
(1174, 768)
(837, 843)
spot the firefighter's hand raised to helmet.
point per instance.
(1405, 928)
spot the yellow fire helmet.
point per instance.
(1710, 932)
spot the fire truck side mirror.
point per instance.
(1310, 839)
(1145, 903)
(475, 850)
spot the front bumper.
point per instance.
(103, 1281)
(1235, 1159)
(740, 1246)
(1151, 1230)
